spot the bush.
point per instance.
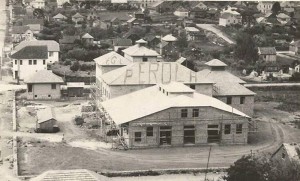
(79, 120)
(75, 66)
(68, 62)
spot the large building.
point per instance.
(175, 115)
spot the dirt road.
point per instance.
(210, 27)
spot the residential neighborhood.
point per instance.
(143, 90)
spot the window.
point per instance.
(29, 87)
(16, 62)
(145, 59)
(184, 113)
(50, 54)
(227, 129)
(35, 96)
(239, 128)
(138, 136)
(53, 86)
(30, 62)
(242, 100)
(44, 62)
(34, 62)
(49, 95)
(229, 100)
(283, 155)
(195, 113)
(149, 131)
(21, 62)
(192, 86)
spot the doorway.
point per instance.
(165, 135)
(213, 133)
(189, 134)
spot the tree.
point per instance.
(276, 8)
(182, 42)
(75, 66)
(245, 48)
(39, 13)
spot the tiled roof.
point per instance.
(31, 52)
(44, 115)
(216, 63)
(153, 73)
(19, 29)
(52, 45)
(44, 76)
(70, 175)
(267, 50)
(230, 88)
(132, 106)
(122, 42)
(112, 58)
(169, 38)
(87, 36)
(219, 76)
(59, 16)
(137, 50)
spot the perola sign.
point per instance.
(158, 72)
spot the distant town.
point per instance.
(142, 90)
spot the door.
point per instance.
(165, 134)
(16, 74)
(213, 133)
(189, 135)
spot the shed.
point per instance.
(75, 89)
(46, 120)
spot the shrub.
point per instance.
(79, 120)
(75, 66)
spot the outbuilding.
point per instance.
(46, 121)
(75, 89)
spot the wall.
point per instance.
(222, 22)
(43, 90)
(206, 89)
(27, 70)
(270, 58)
(53, 58)
(47, 125)
(246, 108)
(172, 117)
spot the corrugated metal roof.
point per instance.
(132, 106)
(31, 52)
(44, 76)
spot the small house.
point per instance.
(267, 54)
(43, 85)
(75, 89)
(198, 12)
(181, 12)
(139, 15)
(295, 47)
(192, 33)
(20, 33)
(132, 22)
(152, 40)
(87, 39)
(283, 18)
(132, 36)
(59, 17)
(230, 18)
(169, 38)
(287, 153)
(265, 6)
(140, 53)
(77, 18)
(46, 120)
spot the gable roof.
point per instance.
(70, 175)
(19, 29)
(230, 88)
(141, 41)
(137, 50)
(77, 15)
(44, 76)
(31, 52)
(87, 36)
(219, 76)
(292, 151)
(122, 42)
(131, 20)
(52, 45)
(112, 58)
(169, 38)
(162, 44)
(150, 37)
(132, 106)
(282, 15)
(215, 63)
(44, 115)
(267, 50)
(59, 16)
(153, 73)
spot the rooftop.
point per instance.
(219, 76)
(176, 87)
(59, 16)
(44, 115)
(282, 15)
(193, 29)
(216, 63)
(132, 106)
(141, 41)
(31, 52)
(44, 76)
(122, 42)
(169, 38)
(52, 45)
(70, 175)
(153, 73)
(267, 50)
(137, 50)
(87, 36)
(112, 58)
(231, 88)
(77, 15)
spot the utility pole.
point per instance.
(207, 163)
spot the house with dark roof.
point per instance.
(121, 44)
(267, 54)
(230, 18)
(43, 84)
(132, 36)
(228, 88)
(152, 40)
(181, 12)
(173, 114)
(20, 33)
(29, 60)
(197, 12)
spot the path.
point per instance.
(210, 27)
(273, 85)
